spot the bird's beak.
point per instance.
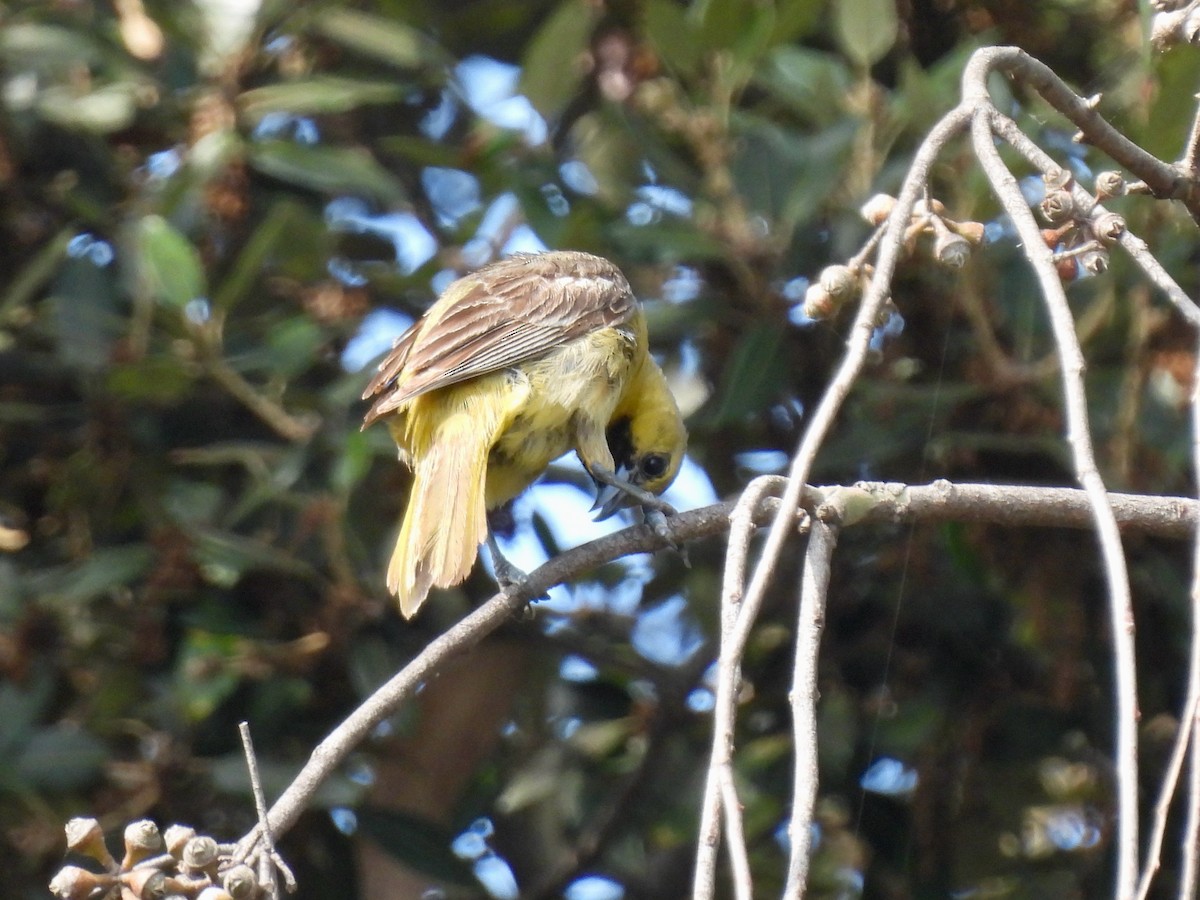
(610, 498)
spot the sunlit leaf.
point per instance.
(293, 345)
(36, 45)
(317, 94)
(205, 674)
(168, 264)
(552, 68)
(866, 29)
(384, 39)
(104, 110)
(330, 170)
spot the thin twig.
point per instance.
(814, 588)
(1186, 735)
(1137, 249)
(1005, 186)
(739, 856)
(742, 525)
(267, 857)
(1191, 833)
(941, 501)
(1164, 180)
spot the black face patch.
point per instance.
(620, 442)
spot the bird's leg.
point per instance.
(507, 575)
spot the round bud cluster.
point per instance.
(177, 864)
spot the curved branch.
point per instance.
(868, 503)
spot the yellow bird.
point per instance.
(513, 366)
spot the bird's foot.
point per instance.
(510, 579)
(657, 520)
(619, 493)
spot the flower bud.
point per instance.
(142, 841)
(934, 206)
(176, 837)
(951, 250)
(1094, 262)
(1110, 184)
(840, 282)
(74, 883)
(972, 231)
(212, 892)
(146, 884)
(817, 302)
(199, 854)
(85, 836)
(1108, 227)
(878, 208)
(241, 882)
(1067, 268)
(1058, 206)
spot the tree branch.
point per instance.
(1168, 517)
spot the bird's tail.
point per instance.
(446, 519)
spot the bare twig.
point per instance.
(1089, 207)
(814, 588)
(1169, 517)
(814, 435)
(739, 856)
(1186, 736)
(1164, 180)
(269, 861)
(1079, 437)
(742, 522)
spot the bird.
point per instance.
(514, 365)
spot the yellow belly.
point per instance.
(584, 378)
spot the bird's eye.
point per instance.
(654, 465)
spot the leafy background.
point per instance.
(212, 213)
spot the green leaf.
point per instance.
(276, 228)
(45, 47)
(293, 345)
(382, 39)
(109, 108)
(809, 81)
(329, 170)
(104, 570)
(205, 674)
(153, 379)
(353, 462)
(752, 378)
(83, 307)
(224, 556)
(551, 71)
(316, 95)
(865, 29)
(420, 843)
(60, 758)
(672, 35)
(168, 264)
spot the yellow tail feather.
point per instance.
(446, 520)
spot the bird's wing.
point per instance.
(506, 313)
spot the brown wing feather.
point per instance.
(511, 311)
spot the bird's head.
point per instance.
(647, 438)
